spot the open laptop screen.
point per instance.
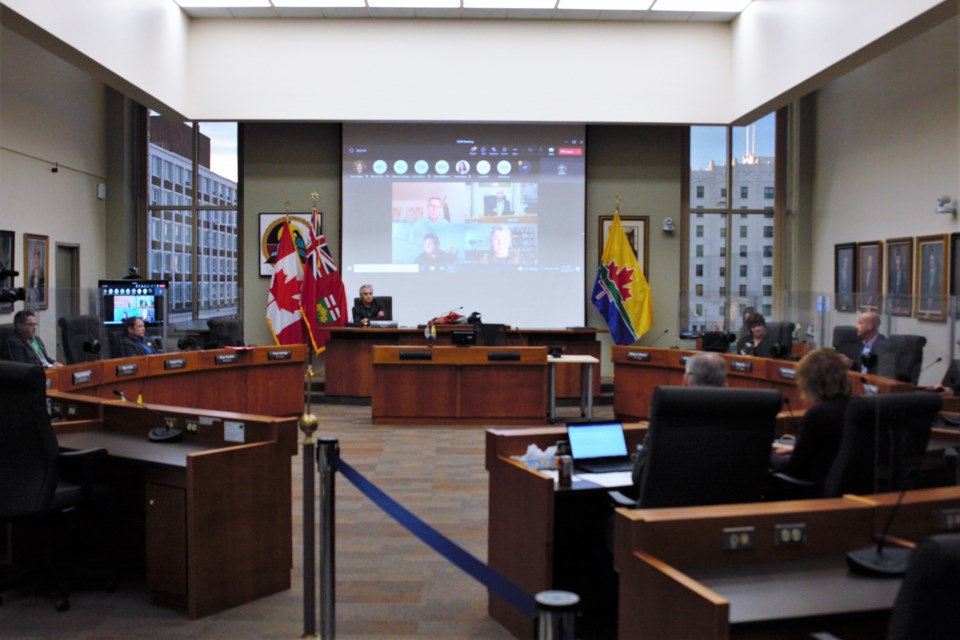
(596, 440)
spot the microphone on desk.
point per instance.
(657, 339)
(868, 360)
(939, 359)
(157, 434)
(779, 351)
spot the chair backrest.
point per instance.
(224, 332)
(884, 438)
(707, 445)
(493, 335)
(28, 446)
(926, 605)
(846, 341)
(77, 331)
(6, 330)
(782, 334)
(907, 354)
(386, 301)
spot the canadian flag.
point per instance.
(283, 301)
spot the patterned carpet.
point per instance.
(389, 584)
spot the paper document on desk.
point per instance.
(609, 480)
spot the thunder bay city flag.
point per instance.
(621, 293)
(283, 300)
(323, 301)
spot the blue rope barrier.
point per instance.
(503, 587)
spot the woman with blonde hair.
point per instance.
(823, 380)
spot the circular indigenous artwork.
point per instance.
(270, 239)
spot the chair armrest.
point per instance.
(620, 500)
(823, 635)
(791, 481)
(79, 466)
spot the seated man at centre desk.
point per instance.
(368, 308)
(134, 341)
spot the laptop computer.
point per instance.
(598, 447)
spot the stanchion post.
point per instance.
(327, 453)
(308, 425)
(556, 615)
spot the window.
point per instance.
(744, 192)
(768, 231)
(699, 270)
(699, 230)
(699, 190)
(743, 291)
(743, 271)
(723, 252)
(723, 291)
(699, 250)
(723, 272)
(768, 193)
(196, 226)
(767, 290)
(743, 251)
(767, 251)
(699, 289)
(768, 271)
(744, 230)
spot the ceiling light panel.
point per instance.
(728, 6)
(190, 4)
(509, 4)
(606, 5)
(320, 4)
(413, 4)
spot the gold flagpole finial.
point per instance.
(314, 196)
(617, 198)
(286, 206)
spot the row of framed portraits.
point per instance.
(36, 266)
(920, 274)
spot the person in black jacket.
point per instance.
(823, 381)
(369, 308)
(135, 342)
(25, 345)
(758, 344)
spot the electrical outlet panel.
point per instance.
(739, 538)
(790, 535)
(192, 426)
(949, 519)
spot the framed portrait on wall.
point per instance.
(899, 277)
(36, 268)
(7, 261)
(955, 267)
(270, 224)
(932, 263)
(845, 276)
(637, 230)
(869, 275)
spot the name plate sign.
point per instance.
(225, 358)
(174, 363)
(285, 354)
(638, 356)
(741, 366)
(82, 377)
(788, 373)
(128, 369)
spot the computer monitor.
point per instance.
(122, 299)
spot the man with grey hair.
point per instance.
(873, 347)
(705, 370)
(368, 308)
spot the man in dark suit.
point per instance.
(25, 345)
(369, 308)
(873, 346)
(500, 206)
(135, 342)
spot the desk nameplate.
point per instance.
(174, 363)
(128, 369)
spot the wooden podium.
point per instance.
(459, 385)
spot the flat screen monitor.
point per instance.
(122, 299)
(489, 218)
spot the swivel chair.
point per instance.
(847, 342)
(906, 352)
(707, 446)
(31, 488)
(782, 334)
(6, 330)
(493, 335)
(80, 336)
(224, 333)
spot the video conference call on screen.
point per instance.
(122, 299)
(433, 212)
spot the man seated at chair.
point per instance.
(823, 382)
(873, 345)
(134, 341)
(369, 308)
(24, 345)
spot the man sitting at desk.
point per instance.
(25, 345)
(369, 308)
(134, 341)
(873, 346)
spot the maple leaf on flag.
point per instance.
(622, 278)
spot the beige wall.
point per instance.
(50, 113)
(886, 146)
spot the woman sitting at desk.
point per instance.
(758, 343)
(822, 380)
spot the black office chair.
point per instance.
(717, 341)
(493, 335)
(847, 342)
(707, 446)
(224, 332)
(884, 439)
(386, 301)
(6, 330)
(906, 352)
(80, 336)
(31, 488)
(782, 334)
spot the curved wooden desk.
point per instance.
(261, 380)
(638, 371)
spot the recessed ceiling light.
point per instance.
(509, 4)
(319, 4)
(209, 4)
(606, 5)
(706, 6)
(413, 4)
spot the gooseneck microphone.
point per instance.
(657, 339)
(157, 434)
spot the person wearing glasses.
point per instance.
(25, 345)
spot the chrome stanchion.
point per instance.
(556, 615)
(308, 425)
(327, 454)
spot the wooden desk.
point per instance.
(216, 514)
(261, 380)
(348, 359)
(537, 533)
(638, 371)
(460, 385)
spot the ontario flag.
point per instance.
(323, 301)
(621, 293)
(283, 301)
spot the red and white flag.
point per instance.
(323, 301)
(283, 301)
